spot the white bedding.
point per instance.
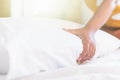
(107, 70)
(38, 45)
(3, 77)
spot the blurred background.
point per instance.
(73, 10)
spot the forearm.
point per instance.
(101, 15)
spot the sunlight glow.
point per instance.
(47, 7)
(38, 7)
(16, 8)
(44, 6)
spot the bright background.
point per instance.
(74, 10)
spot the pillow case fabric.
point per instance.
(105, 43)
(4, 60)
(49, 49)
(4, 57)
(37, 45)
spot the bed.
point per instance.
(84, 72)
(39, 49)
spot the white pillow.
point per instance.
(34, 49)
(48, 49)
(4, 58)
(37, 50)
(105, 43)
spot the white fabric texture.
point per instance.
(108, 69)
(37, 51)
(4, 58)
(33, 48)
(3, 77)
(104, 68)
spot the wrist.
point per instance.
(89, 30)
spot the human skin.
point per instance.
(87, 33)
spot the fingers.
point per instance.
(87, 54)
(83, 55)
(91, 51)
(88, 44)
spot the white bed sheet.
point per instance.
(108, 70)
(3, 77)
(26, 60)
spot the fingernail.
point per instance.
(78, 62)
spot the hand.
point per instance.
(88, 42)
